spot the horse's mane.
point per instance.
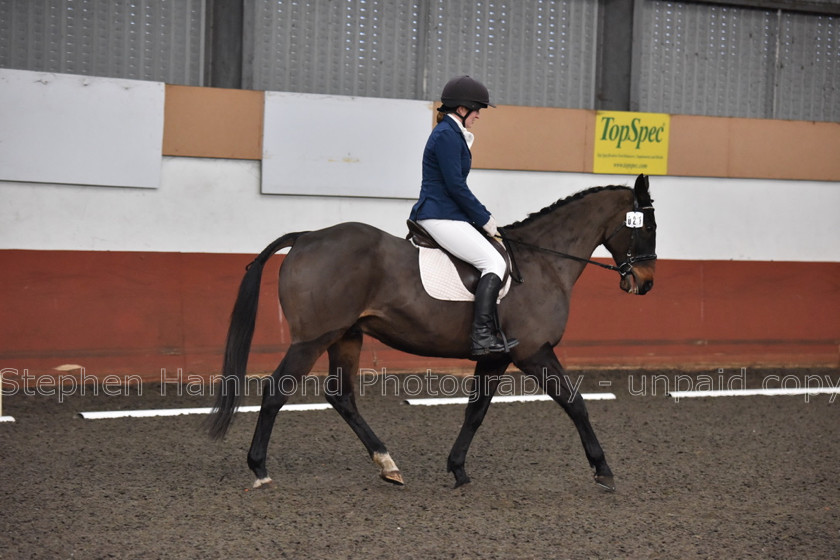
(562, 202)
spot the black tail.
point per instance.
(240, 333)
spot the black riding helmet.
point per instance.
(463, 91)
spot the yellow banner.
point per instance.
(630, 143)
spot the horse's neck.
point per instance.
(578, 227)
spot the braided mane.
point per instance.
(562, 202)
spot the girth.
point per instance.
(469, 274)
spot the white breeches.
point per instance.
(467, 243)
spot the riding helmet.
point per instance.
(464, 91)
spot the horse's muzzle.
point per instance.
(639, 280)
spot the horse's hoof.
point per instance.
(459, 483)
(461, 477)
(394, 477)
(388, 470)
(605, 481)
(261, 483)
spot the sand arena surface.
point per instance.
(700, 478)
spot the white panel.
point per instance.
(203, 206)
(350, 146)
(746, 219)
(698, 219)
(60, 128)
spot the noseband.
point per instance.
(623, 269)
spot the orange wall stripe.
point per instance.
(534, 139)
(224, 123)
(754, 148)
(213, 122)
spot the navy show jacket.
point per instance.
(444, 194)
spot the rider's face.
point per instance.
(472, 116)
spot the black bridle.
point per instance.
(623, 269)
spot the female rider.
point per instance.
(451, 213)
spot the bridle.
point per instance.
(627, 265)
(623, 269)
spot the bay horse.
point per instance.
(340, 283)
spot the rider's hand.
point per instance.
(490, 227)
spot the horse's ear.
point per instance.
(641, 190)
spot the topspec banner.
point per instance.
(630, 143)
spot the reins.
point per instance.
(507, 239)
(623, 269)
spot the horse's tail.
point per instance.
(239, 336)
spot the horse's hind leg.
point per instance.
(485, 382)
(550, 375)
(344, 362)
(298, 361)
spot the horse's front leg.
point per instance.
(550, 374)
(485, 382)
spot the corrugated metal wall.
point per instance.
(689, 57)
(156, 40)
(808, 75)
(355, 47)
(528, 52)
(705, 60)
(737, 62)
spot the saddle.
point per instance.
(469, 274)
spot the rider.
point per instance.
(451, 213)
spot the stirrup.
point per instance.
(506, 342)
(500, 343)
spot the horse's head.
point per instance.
(632, 241)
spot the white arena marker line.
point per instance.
(98, 415)
(142, 413)
(754, 392)
(7, 419)
(506, 399)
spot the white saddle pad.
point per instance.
(441, 280)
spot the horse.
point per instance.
(343, 282)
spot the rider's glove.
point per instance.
(490, 227)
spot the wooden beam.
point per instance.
(822, 7)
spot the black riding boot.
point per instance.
(485, 338)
